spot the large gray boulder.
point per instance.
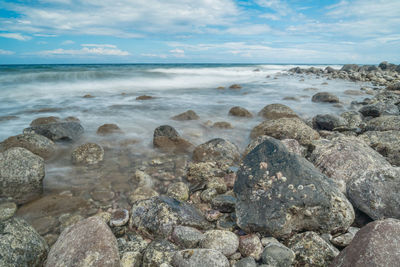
(89, 242)
(280, 193)
(217, 150)
(58, 131)
(379, 109)
(21, 175)
(21, 245)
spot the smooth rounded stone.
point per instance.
(131, 259)
(387, 143)
(240, 112)
(158, 252)
(37, 144)
(224, 241)
(343, 240)
(179, 191)
(186, 116)
(291, 144)
(187, 237)
(353, 118)
(208, 194)
(235, 86)
(167, 139)
(199, 257)
(212, 215)
(379, 109)
(217, 150)
(286, 128)
(108, 129)
(376, 192)
(276, 254)
(222, 125)
(20, 244)
(119, 218)
(89, 242)
(21, 175)
(312, 250)
(142, 193)
(342, 157)
(58, 131)
(383, 123)
(44, 120)
(246, 262)
(280, 193)
(218, 184)
(277, 111)
(328, 122)
(202, 171)
(376, 244)
(224, 203)
(144, 97)
(68, 220)
(159, 215)
(7, 210)
(265, 241)
(88, 154)
(325, 97)
(102, 195)
(250, 246)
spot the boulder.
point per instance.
(353, 118)
(379, 109)
(325, 97)
(158, 252)
(87, 154)
(235, 86)
(328, 122)
(276, 254)
(277, 111)
(58, 131)
(167, 139)
(383, 123)
(240, 112)
(217, 150)
(280, 193)
(224, 241)
(286, 128)
(144, 97)
(45, 120)
(89, 242)
(20, 244)
(350, 67)
(291, 144)
(222, 125)
(21, 175)
(200, 257)
(108, 129)
(376, 244)
(37, 144)
(186, 116)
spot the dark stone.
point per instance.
(224, 203)
(240, 112)
(325, 97)
(58, 131)
(186, 116)
(167, 139)
(108, 129)
(379, 109)
(328, 122)
(350, 67)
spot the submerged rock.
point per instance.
(186, 116)
(200, 257)
(217, 150)
(45, 120)
(88, 154)
(167, 139)
(240, 112)
(222, 125)
(277, 111)
(58, 131)
(108, 129)
(325, 97)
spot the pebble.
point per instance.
(119, 218)
(223, 241)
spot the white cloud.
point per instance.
(68, 42)
(16, 36)
(6, 52)
(153, 55)
(270, 16)
(92, 50)
(45, 35)
(99, 45)
(177, 52)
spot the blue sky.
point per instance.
(188, 31)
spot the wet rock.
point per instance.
(353, 92)
(328, 122)
(208, 194)
(142, 193)
(187, 237)
(218, 184)
(312, 250)
(353, 118)
(89, 242)
(108, 129)
(379, 109)
(200, 257)
(394, 86)
(58, 131)
(280, 193)
(286, 128)
(235, 86)
(203, 171)
(277, 111)
(179, 191)
(383, 123)
(37, 144)
(250, 246)
(224, 241)
(344, 240)
(167, 139)
(217, 150)
(186, 116)
(224, 203)
(8, 118)
(325, 97)
(44, 120)
(133, 243)
(246, 262)
(240, 112)
(276, 254)
(88, 154)
(158, 252)
(341, 158)
(88, 96)
(21, 175)
(291, 144)
(159, 215)
(20, 244)
(119, 218)
(375, 192)
(222, 125)
(144, 97)
(376, 244)
(7, 210)
(131, 259)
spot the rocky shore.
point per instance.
(305, 192)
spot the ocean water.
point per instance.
(31, 91)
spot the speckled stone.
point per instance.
(187, 237)
(223, 241)
(89, 153)
(158, 252)
(179, 191)
(119, 218)
(250, 246)
(7, 210)
(200, 257)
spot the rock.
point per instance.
(353, 118)
(133, 243)
(277, 111)
(7, 210)
(276, 254)
(349, 67)
(235, 86)
(88, 154)
(179, 191)
(240, 112)
(142, 193)
(131, 259)
(217, 150)
(119, 218)
(291, 144)
(394, 86)
(344, 240)
(375, 192)
(167, 139)
(250, 246)
(376, 244)
(379, 109)
(341, 158)
(108, 129)
(246, 262)
(58, 131)
(21, 175)
(199, 257)
(208, 194)
(224, 203)
(286, 128)
(144, 97)
(222, 125)
(187, 237)
(159, 215)
(158, 252)
(8, 118)
(280, 193)
(186, 116)
(383, 123)
(353, 92)
(44, 120)
(224, 241)
(88, 96)
(203, 171)
(325, 97)
(20, 244)
(218, 184)
(37, 144)
(89, 242)
(312, 250)
(328, 122)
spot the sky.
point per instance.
(199, 31)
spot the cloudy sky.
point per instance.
(188, 31)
